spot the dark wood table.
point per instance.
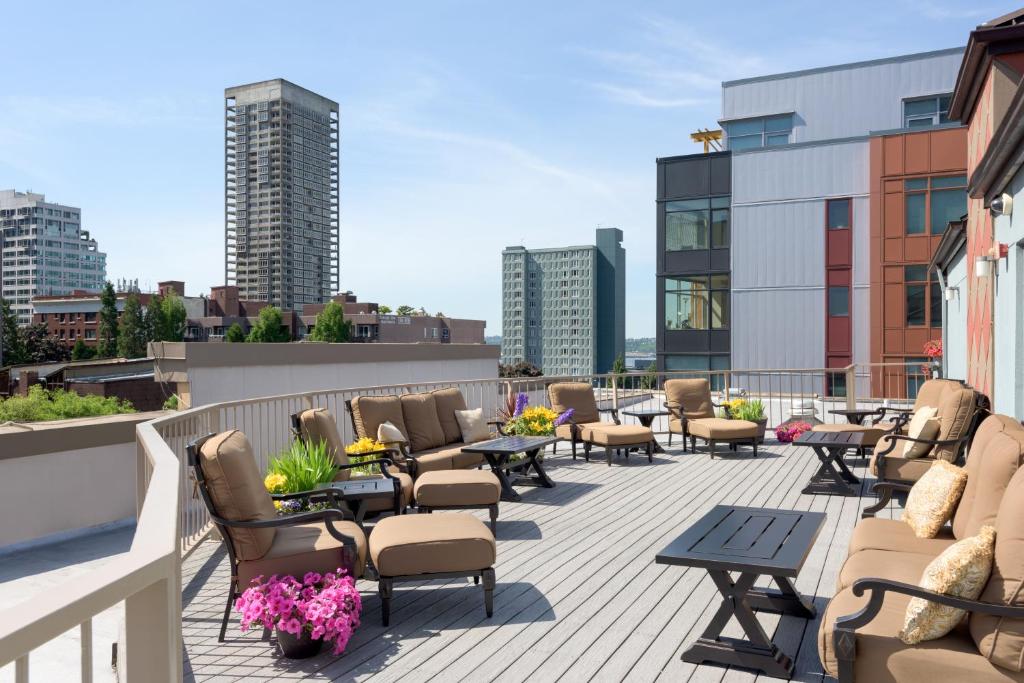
(647, 416)
(499, 453)
(361, 491)
(855, 416)
(754, 542)
(833, 477)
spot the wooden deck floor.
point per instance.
(579, 596)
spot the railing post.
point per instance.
(152, 633)
(615, 391)
(851, 387)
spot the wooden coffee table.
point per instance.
(754, 542)
(833, 477)
(499, 452)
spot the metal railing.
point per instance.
(172, 521)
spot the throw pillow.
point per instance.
(962, 570)
(388, 433)
(472, 424)
(918, 423)
(933, 498)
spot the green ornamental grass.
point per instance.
(41, 405)
(304, 465)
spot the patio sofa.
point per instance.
(858, 636)
(692, 414)
(586, 426)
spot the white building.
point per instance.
(45, 252)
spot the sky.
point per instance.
(466, 126)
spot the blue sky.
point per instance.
(465, 126)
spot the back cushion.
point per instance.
(999, 639)
(932, 391)
(424, 429)
(955, 412)
(236, 488)
(693, 396)
(368, 412)
(576, 395)
(447, 402)
(997, 452)
(317, 424)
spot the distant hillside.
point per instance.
(640, 345)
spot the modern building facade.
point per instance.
(281, 193)
(563, 309)
(45, 251)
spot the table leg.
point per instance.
(757, 651)
(786, 600)
(648, 421)
(830, 479)
(498, 468)
(538, 467)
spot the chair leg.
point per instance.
(693, 444)
(883, 500)
(494, 519)
(488, 577)
(608, 454)
(227, 612)
(385, 587)
(554, 448)
(670, 440)
(586, 451)
(574, 449)
(755, 448)
(650, 451)
(711, 449)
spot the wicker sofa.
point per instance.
(858, 637)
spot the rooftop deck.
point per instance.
(579, 596)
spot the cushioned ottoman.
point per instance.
(460, 490)
(417, 547)
(719, 430)
(613, 437)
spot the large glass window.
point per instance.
(915, 203)
(933, 202)
(691, 224)
(697, 303)
(839, 301)
(767, 131)
(926, 111)
(838, 214)
(719, 222)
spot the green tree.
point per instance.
(155, 323)
(82, 352)
(650, 379)
(383, 310)
(106, 345)
(405, 310)
(10, 340)
(39, 346)
(618, 368)
(269, 327)
(174, 318)
(131, 336)
(235, 334)
(331, 325)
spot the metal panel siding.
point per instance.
(779, 245)
(778, 328)
(827, 170)
(861, 324)
(862, 242)
(844, 102)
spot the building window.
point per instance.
(689, 223)
(767, 131)
(916, 287)
(697, 303)
(931, 203)
(926, 111)
(839, 214)
(839, 302)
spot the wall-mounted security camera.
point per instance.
(1001, 205)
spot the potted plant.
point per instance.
(788, 432)
(527, 420)
(933, 350)
(751, 411)
(303, 466)
(306, 613)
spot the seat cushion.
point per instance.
(617, 435)
(457, 487)
(430, 544)
(901, 469)
(576, 395)
(421, 424)
(466, 461)
(236, 489)
(447, 401)
(997, 453)
(883, 658)
(692, 397)
(442, 458)
(956, 411)
(892, 534)
(565, 431)
(305, 548)
(871, 434)
(368, 412)
(720, 429)
(883, 564)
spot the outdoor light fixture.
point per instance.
(951, 293)
(983, 266)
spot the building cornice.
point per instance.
(999, 36)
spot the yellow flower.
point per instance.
(275, 483)
(364, 445)
(277, 505)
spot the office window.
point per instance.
(767, 131)
(948, 201)
(838, 214)
(686, 225)
(914, 204)
(926, 111)
(839, 301)
(916, 304)
(719, 302)
(935, 305)
(719, 222)
(686, 303)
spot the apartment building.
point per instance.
(370, 325)
(281, 193)
(563, 308)
(839, 183)
(44, 251)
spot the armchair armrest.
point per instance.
(613, 411)
(891, 487)
(499, 425)
(384, 464)
(893, 438)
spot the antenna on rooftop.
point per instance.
(712, 139)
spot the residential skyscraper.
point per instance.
(44, 251)
(281, 193)
(563, 308)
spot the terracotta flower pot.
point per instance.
(302, 646)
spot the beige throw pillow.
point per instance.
(933, 498)
(474, 427)
(388, 433)
(962, 570)
(922, 425)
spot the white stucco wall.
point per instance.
(1008, 334)
(955, 322)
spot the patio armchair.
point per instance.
(692, 414)
(258, 541)
(317, 424)
(585, 425)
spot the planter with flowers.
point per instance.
(751, 411)
(303, 466)
(306, 614)
(788, 432)
(933, 350)
(527, 420)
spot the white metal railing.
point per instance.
(172, 521)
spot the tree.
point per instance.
(331, 325)
(650, 379)
(39, 346)
(405, 310)
(520, 369)
(618, 368)
(106, 345)
(82, 352)
(269, 327)
(383, 310)
(10, 340)
(439, 314)
(235, 334)
(131, 337)
(174, 318)
(155, 323)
